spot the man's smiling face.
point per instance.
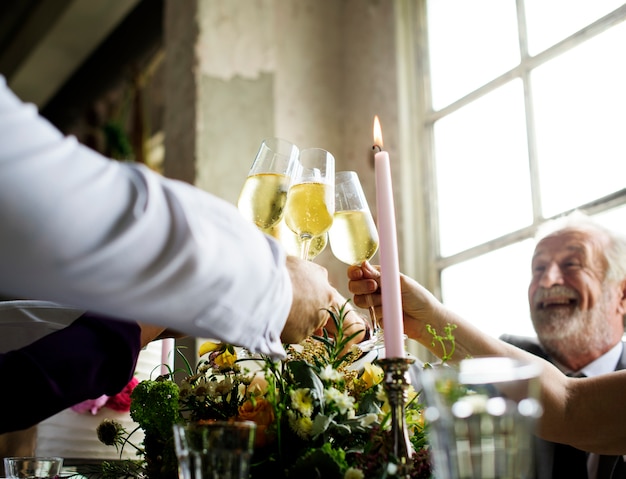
(568, 269)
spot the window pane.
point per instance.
(549, 22)
(614, 219)
(580, 107)
(470, 43)
(482, 170)
(491, 290)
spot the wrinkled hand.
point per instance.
(313, 295)
(419, 306)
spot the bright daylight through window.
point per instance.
(526, 114)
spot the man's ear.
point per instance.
(622, 301)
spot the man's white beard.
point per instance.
(563, 332)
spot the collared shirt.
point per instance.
(119, 239)
(602, 365)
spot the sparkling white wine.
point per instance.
(353, 236)
(309, 209)
(263, 198)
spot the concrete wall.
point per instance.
(314, 72)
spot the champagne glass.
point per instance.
(292, 242)
(353, 235)
(264, 194)
(311, 198)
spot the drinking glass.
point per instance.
(292, 242)
(481, 418)
(264, 193)
(215, 450)
(311, 198)
(353, 235)
(32, 467)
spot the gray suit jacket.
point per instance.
(544, 450)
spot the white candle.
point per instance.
(167, 355)
(388, 251)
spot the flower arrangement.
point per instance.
(321, 412)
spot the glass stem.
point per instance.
(306, 244)
(373, 319)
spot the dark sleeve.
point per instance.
(527, 343)
(90, 357)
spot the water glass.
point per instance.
(32, 467)
(216, 450)
(482, 418)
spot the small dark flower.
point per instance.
(111, 432)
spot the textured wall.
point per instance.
(311, 71)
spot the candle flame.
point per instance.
(378, 133)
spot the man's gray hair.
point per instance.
(615, 253)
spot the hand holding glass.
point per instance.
(353, 235)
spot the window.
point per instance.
(523, 114)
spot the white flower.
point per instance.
(381, 395)
(342, 401)
(330, 374)
(368, 419)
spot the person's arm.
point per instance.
(121, 240)
(90, 357)
(586, 413)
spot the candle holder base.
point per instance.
(396, 384)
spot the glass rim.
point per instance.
(242, 424)
(37, 458)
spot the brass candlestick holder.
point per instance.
(396, 383)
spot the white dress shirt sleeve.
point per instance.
(118, 239)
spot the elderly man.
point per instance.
(574, 295)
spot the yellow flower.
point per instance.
(353, 473)
(301, 425)
(226, 359)
(302, 401)
(208, 347)
(372, 374)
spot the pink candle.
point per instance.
(167, 355)
(388, 251)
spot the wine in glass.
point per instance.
(264, 194)
(311, 198)
(353, 235)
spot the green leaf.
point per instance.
(305, 377)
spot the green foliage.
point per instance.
(118, 144)
(318, 412)
(324, 461)
(154, 406)
(447, 338)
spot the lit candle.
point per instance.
(388, 251)
(167, 355)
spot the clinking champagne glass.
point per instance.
(264, 194)
(311, 198)
(353, 235)
(292, 242)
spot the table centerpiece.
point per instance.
(320, 412)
